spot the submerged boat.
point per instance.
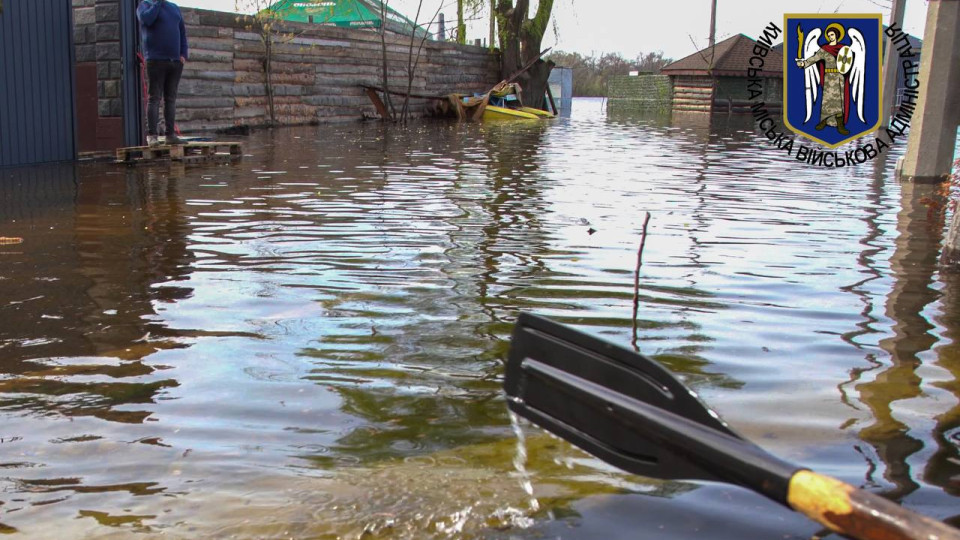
(492, 112)
(505, 103)
(502, 102)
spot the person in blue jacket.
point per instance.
(165, 49)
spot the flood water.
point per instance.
(308, 343)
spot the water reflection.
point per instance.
(309, 342)
(78, 322)
(911, 371)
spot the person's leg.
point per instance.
(171, 83)
(155, 81)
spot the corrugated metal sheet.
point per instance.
(36, 82)
(132, 106)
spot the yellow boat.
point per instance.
(538, 112)
(501, 113)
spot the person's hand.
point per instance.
(183, 59)
(799, 62)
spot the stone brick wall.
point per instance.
(85, 30)
(109, 67)
(96, 31)
(641, 92)
(318, 73)
(99, 105)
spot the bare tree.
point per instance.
(265, 19)
(385, 67)
(414, 60)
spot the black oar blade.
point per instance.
(617, 405)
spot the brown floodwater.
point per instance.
(308, 343)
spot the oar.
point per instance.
(632, 413)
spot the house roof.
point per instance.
(346, 13)
(731, 57)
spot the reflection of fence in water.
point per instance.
(28, 193)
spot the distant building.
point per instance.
(359, 14)
(715, 80)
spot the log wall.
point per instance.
(693, 93)
(318, 73)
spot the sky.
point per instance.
(631, 27)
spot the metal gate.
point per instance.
(36, 82)
(132, 76)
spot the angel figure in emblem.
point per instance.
(838, 69)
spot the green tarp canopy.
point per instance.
(345, 13)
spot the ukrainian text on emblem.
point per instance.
(832, 80)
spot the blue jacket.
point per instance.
(162, 30)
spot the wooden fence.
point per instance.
(318, 72)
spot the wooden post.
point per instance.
(950, 258)
(377, 103)
(933, 133)
(891, 64)
(553, 104)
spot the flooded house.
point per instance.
(715, 79)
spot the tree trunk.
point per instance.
(461, 25)
(493, 24)
(535, 89)
(268, 75)
(520, 40)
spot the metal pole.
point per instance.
(891, 67)
(713, 30)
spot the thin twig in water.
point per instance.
(636, 280)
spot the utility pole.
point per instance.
(891, 64)
(713, 29)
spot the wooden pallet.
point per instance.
(191, 152)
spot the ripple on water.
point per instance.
(310, 342)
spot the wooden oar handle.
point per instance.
(860, 514)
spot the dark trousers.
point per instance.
(163, 77)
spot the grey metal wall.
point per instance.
(561, 84)
(36, 82)
(131, 90)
